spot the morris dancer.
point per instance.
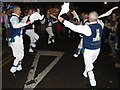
(49, 22)
(92, 34)
(91, 42)
(16, 39)
(30, 31)
(80, 46)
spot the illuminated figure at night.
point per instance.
(30, 31)
(92, 34)
(50, 20)
(16, 39)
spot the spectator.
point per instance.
(112, 35)
(106, 29)
(6, 18)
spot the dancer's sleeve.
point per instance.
(54, 21)
(43, 21)
(24, 20)
(78, 28)
(16, 24)
(53, 16)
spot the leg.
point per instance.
(87, 61)
(79, 48)
(49, 31)
(116, 42)
(53, 39)
(33, 39)
(112, 46)
(69, 33)
(89, 57)
(77, 52)
(18, 53)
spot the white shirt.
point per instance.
(24, 20)
(15, 22)
(80, 28)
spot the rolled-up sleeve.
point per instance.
(78, 28)
(15, 22)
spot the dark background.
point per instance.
(80, 7)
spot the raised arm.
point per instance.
(76, 28)
(16, 24)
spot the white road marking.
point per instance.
(44, 72)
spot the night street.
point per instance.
(67, 71)
(45, 37)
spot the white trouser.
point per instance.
(81, 43)
(18, 48)
(33, 36)
(49, 31)
(89, 58)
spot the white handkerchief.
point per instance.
(64, 9)
(75, 15)
(108, 12)
(36, 16)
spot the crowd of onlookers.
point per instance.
(111, 35)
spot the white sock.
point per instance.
(16, 61)
(92, 78)
(19, 67)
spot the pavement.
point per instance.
(53, 66)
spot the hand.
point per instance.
(60, 19)
(29, 22)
